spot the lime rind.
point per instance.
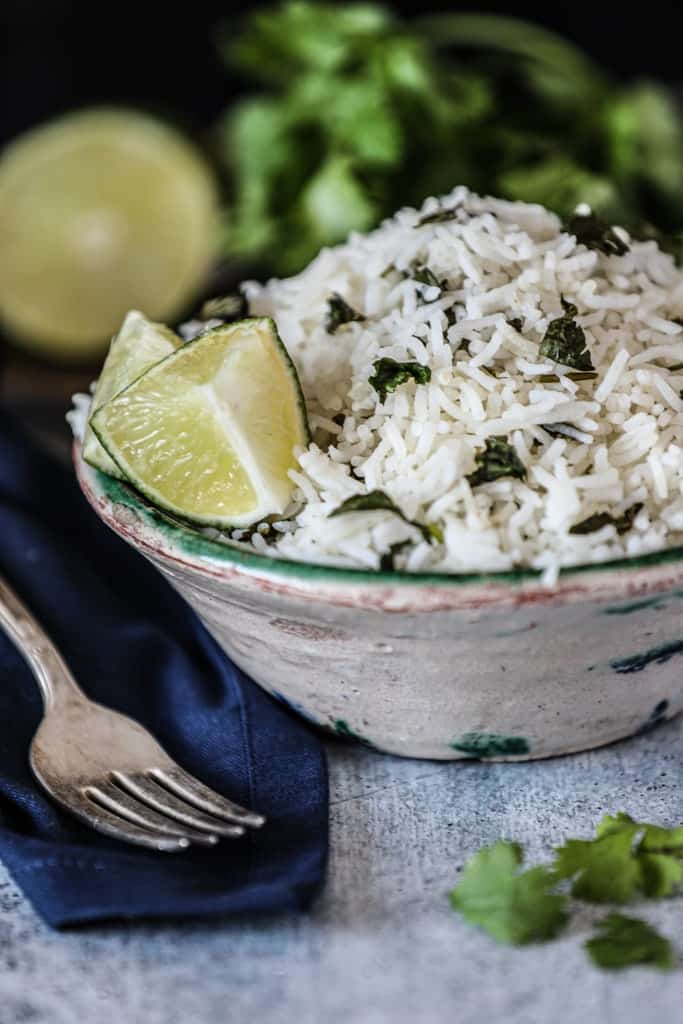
(208, 434)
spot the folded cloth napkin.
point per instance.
(134, 645)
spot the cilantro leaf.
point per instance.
(625, 858)
(355, 112)
(591, 524)
(424, 275)
(373, 501)
(660, 874)
(378, 501)
(558, 181)
(387, 560)
(625, 941)
(561, 430)
(614, 823)
(564, 341)
(498, 459)
(604, 870)
(595, 233)
(390, 374)
(440, 216)
(622, 523)
(435, 533)
(663, 840)
(513, 906)
(554, 378)
(659, 852)
(339, 312)
(330, 204)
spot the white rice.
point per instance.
(502, 261)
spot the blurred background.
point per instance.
(155, 154)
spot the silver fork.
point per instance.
(104, 767)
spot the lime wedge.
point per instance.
(139, 344)
(209, 433)
(100, 211)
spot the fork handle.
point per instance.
(29, 637)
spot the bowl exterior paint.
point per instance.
(496, 667)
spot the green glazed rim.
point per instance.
(196, 545)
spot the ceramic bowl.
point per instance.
(493, 666)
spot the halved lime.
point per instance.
(139, 344)
(100, 212)
(209, 433)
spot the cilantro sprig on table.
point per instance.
(513, 906)
(626, 859)
(623, 941)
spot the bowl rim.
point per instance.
(202, 552)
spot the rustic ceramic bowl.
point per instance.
(490, 666)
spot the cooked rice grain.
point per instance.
(501, 262)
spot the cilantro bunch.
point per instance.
(357, 112)
(626, 859)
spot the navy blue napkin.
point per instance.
(134, 645)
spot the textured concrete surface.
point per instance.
(381, 945)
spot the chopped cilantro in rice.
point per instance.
(508, 276)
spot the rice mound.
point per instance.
(465, 290)
(503, 270)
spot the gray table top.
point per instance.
(381, 944)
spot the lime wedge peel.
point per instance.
(138, 345)
(209, 433)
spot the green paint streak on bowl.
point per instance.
(343, 729)
(491, 744)
(189, 540)
(658, 655)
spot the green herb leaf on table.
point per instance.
(661, 874)
(499, 459)
(604, 870)
(378, 501)
(565, 342)
(595, 233)
(339, 312)
(659, 852)
(663, 840)
(626, 941)
(390, 374)
(622, 523)
(513, 906)
(625, 858)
